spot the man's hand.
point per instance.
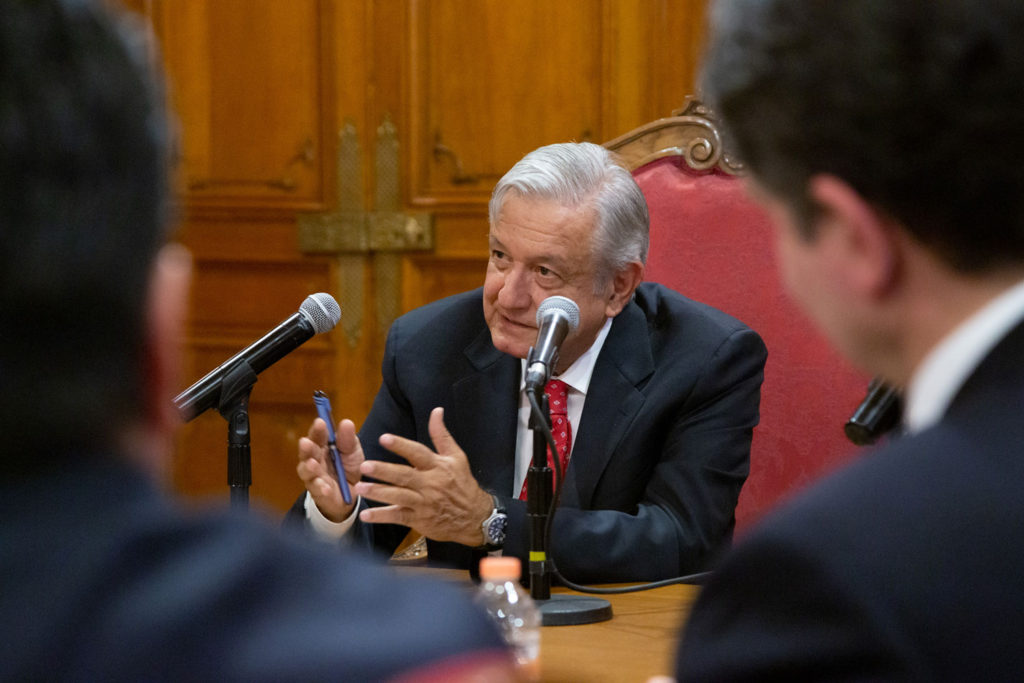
(435, 494)
(316, 470)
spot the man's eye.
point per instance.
(495, 254)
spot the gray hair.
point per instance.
(584, 175)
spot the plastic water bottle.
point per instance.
(513, 610)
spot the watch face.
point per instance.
(496, 529)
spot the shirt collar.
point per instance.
(948, 365)
(578, 375)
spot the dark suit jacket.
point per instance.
(102, 579)
(660, 453)
(907, 566)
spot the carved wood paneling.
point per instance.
(262, 89)
(470, 88)
(490, 80)
(252, 86)
(427, 278)
(247, 81)
(653, 48)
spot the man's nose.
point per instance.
(515, 290)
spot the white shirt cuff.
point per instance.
(325, 528)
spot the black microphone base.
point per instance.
(571, 610)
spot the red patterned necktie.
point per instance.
(558, 401)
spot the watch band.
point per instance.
(498, 505)
(495, 526)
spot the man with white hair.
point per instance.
(662, 397)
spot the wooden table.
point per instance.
(638, 642)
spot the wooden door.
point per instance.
(349, 147)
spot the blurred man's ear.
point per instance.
(865, 240)
(168, 307)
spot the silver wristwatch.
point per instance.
(495, 526)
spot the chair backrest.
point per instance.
(710, 242)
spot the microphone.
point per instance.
(878, 413)
(318, 313)
(557, 316)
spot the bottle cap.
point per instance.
(498, 568)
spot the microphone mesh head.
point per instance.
(321, 310)
(563, 304)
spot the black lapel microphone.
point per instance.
(879, 412)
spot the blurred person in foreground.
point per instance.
(885, 139)
(662, 396)
(102, 576)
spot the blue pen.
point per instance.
(323, 408)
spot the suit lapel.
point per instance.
(612, 402)
(485, 405)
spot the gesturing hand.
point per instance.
(435, 493)
(316, 470)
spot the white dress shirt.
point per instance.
(577, 377)
(948, 365)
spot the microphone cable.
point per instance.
(542, 420)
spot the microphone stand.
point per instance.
(538, 499)
(557, 610)
(236, 386)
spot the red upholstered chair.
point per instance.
(713, 244)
